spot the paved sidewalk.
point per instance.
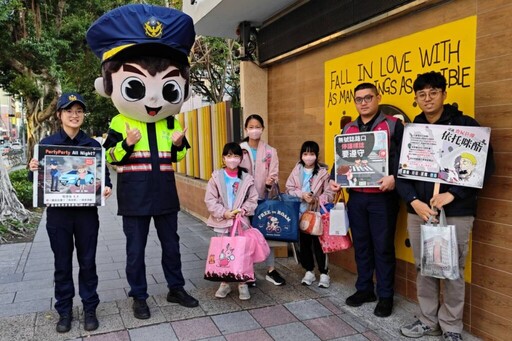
(291, 312)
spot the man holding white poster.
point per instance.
(457, 200)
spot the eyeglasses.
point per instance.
(70, 112)
(433, 94)
(366, 99)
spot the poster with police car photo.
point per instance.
(361, 159)
(69, 176)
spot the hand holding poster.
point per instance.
(361, 159)
(69, 176)
(443, 153)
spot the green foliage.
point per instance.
(44, 51)
(22, 186)
(214, 69)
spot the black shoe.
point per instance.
(384, 307)
(181, 297)
(140, 309)
(251, 284)
(90, 321)
(64, 324)
(275, 278)
(360, 297)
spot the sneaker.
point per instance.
(243, 292)
(140, 309)
(419, 329)
(451, 336)
(223, 291)
(275, 278)
(308, 278)
(251, 284)
(360, 297)
(90, 321)
(64, 323)
(325, 281)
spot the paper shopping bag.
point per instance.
(332, 242)
(338, 222)
(439, 250)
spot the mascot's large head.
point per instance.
(144, 52)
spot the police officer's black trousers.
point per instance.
(70, 227)
(136, 229)
(372, 219)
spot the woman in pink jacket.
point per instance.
(309, 180)
(262, 162)
(230, 191)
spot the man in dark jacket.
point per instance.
(372, 211)
(459, 204)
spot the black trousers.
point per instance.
(70, 227)
(136, 229)
(309, 246)
(373, 224)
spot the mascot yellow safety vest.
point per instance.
(149, 161)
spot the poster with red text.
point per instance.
(446, 154)
(361, 159)
(69, 176)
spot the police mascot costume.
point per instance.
(145, 71)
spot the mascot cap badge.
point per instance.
(159, 31)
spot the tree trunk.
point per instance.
(10, 206)
(37, 121)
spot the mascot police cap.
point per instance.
(161, 31)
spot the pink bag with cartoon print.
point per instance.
(230, 257)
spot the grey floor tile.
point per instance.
(159, 332)
(305, 310)
(235, 322)
(10, 277)
(17, 327)
(295, 331)
(34, 294)
(24, 307)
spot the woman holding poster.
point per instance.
(73, 226)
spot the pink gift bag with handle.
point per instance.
(230, 257)
(261, 247)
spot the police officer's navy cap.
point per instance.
(142, 29)
(68, 98)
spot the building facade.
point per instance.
(288, 80)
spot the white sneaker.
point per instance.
(325, 281)
(243, 292)
(308, 278)
(223, 291)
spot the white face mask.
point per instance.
(254, 133)
(309, 160)
(232, 162)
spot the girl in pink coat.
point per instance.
(262, 162)
(309, 180)
(229, 192)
